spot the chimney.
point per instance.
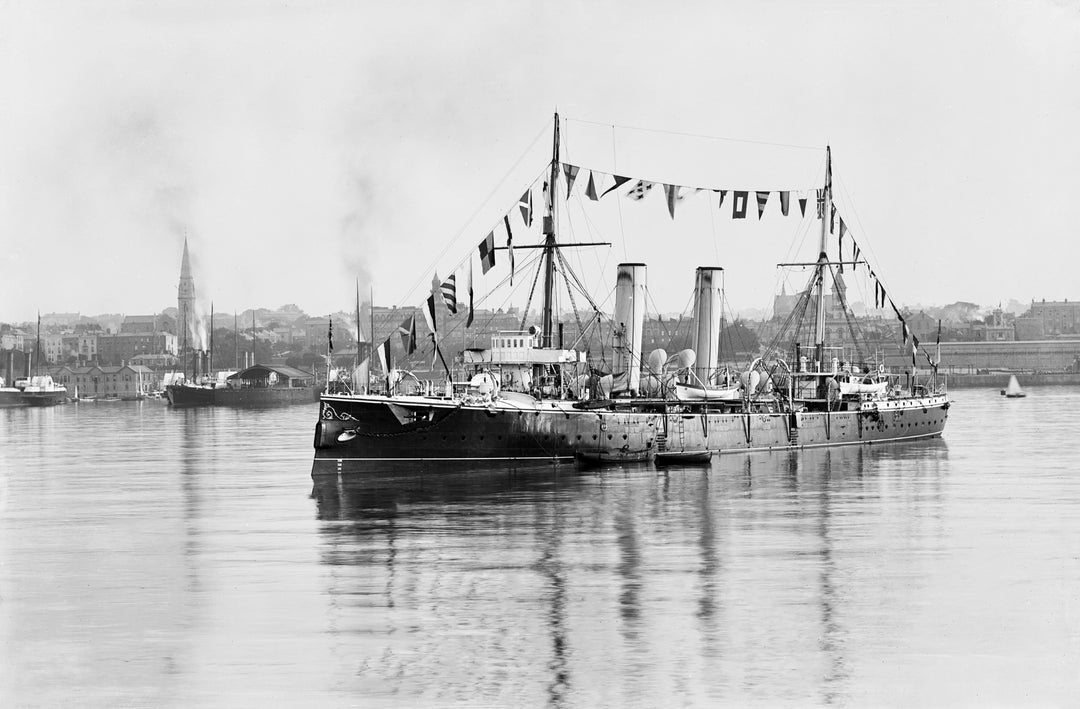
(708, 309)
(628, 326)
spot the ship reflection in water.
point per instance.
(633, 585)
(155, 556)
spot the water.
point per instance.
(177, 558)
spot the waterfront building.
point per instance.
(119, 348)
(1053, 318)
(122, 382)
(147, 324)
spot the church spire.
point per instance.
(185, 266)
(185, 305)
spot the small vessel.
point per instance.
(260, 385)
(10, 396)
(1012, 390)
(528, 400)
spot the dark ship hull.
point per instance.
(367, 433)
(44, 398)
(181, 395)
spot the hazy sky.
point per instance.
(302, 145)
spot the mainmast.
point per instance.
(823, 261)
(547, 319)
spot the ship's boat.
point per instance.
(524, 398)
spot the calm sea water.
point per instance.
(177, 558)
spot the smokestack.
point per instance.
(707, 312)
(629, 324)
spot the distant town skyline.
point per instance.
(381, 143)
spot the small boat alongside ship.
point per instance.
(528, 401)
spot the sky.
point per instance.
(302, 147)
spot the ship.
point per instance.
(525, 401)
(258, 386)
(34, 389)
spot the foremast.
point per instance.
(822, 265)
(547, 315)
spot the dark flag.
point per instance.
(487, 252)
(762, 198)
(832, 219)
(738, 204)
(802, 206)
(429, 316)
(385, 357)
(672, 193)
(723, 193)
(407, 330)
(330, 336)
(510, 245)
(785, 202)
(468, 323)
(619, 182)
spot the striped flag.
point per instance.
(639, 190)
(820, 204)
(449, 293)
(571, 172)
(525, 204)
(762, 198)
(487, 252)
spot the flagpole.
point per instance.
(210, 364)
(236, 341)
(356, 360)
(549, 243)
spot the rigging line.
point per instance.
(712, 224)
(494, 228)
(457, 325)
(852, 324)
(618, 202)
(532, 291)
(566, 263)
(569, 293)
(697, 135)
(866, 246)
(483, 204)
